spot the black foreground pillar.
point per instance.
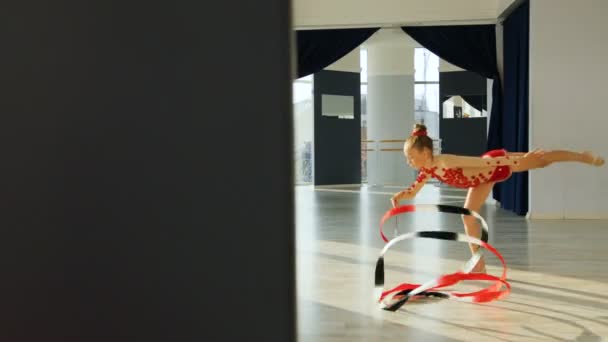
(145, 171)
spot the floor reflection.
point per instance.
(556, 268)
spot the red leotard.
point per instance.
(501, 173)
(455, 177)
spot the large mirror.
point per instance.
(342, 107)
(464, 106)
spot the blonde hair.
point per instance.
(419, 139)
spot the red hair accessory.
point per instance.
(419, 133)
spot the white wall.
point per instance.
(490, 84)
(568, 75)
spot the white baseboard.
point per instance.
(569, 216)
(586, 216)
(337, 186)
(545, 216)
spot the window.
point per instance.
(364, 147)
(426, 90)
(426, 65)
(303, 111)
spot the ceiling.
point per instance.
(389, 37)
(318, 14)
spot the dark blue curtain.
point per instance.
(318, 49)
(511, 129)
(472, 48)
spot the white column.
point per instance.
(390, 105)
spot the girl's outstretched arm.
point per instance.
(412, 190)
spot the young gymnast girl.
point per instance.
(478, 174)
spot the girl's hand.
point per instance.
(398, 197)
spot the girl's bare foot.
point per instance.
(592, 159)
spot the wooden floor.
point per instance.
(558, 270)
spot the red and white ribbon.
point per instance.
(394, 298)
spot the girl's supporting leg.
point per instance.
(476, 197)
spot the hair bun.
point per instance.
(419, 130)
